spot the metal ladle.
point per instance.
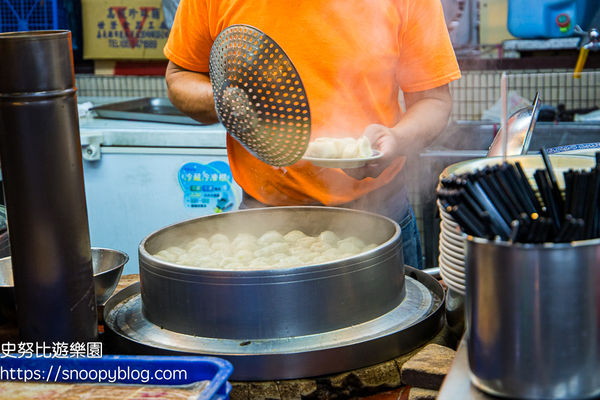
(519, 127)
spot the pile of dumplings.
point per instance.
(269, 251)
(347, 148)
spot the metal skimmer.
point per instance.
(259, 95)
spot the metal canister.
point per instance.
(533, 326)
(42, 174)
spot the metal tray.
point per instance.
(151, 109)
(410, 325)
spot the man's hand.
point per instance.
(426, 116)
(383, 140)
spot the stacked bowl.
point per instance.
(452, 253)
(451, 241)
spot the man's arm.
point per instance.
(426, 116)
(191, 92)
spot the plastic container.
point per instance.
(198, 368)
(531, 19)
(29, 15)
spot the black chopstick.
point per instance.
(542, 181)
(500, 202)
(557, 197)
(525, 184)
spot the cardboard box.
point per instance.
(123, 29)
(493, 15)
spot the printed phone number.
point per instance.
(113, 375)
(51, 350)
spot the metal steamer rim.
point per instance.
(259, 96)
(411, 324)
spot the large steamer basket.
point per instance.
(276, 303)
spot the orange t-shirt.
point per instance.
(353, 56)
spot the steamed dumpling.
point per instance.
(328, 147)
(321, 149)
(270, 237)
(198, 242)
(364, 147)
(350, 150)
(293, 236)
(329, 237)
(218, 238)
(270, 250)
(244, 241)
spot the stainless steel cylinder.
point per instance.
(277, 303)
(43, 180)
(533, 326)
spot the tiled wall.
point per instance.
(474, 93)
(479, 90)
(126, 86)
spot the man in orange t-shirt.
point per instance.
(354, 57)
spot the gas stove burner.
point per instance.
(412, 323)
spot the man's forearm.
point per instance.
(425, 118)
(191, 92)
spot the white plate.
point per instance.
(453, 283)
(453, 238)
(452, 275)
(458, 273)
(455, 245)
(460, 250)
(448, 278)
(447, 217)
(449, 221)
(343, 162)
(452, 262)
(455, 287)
(444, 248)
(452, 229)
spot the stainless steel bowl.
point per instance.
(260, 304)
(107, 264)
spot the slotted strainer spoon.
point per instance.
(259, 95)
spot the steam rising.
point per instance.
(363, 85)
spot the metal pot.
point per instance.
(255, 304)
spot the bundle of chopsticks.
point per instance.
(499, 202)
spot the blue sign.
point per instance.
(207, 186)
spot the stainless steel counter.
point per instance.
(117, 132)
